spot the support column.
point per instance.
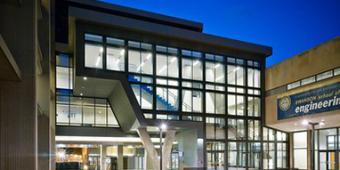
(120, 157)
(149, 147)
(167, 147)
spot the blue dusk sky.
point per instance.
(288, 26)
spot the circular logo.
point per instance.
(284, 103)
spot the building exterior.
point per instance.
(300, 92)
(90, 86)
(122, 72)
(26, 85)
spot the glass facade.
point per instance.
(78, 110)
(222, 92)
(327, 149)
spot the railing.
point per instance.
(171, 97)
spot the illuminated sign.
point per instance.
(318, 100)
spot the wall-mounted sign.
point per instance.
(318, 100)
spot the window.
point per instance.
(300, 150)
(237, 154)
(308, 80)
(76, 111)
(64, 72)
(336, 71)
(63, 110)
(236, 129)
(324, 75)
(253, 63)
(235, 75)
(268, 155)
(215, 128)
(140, 57)
(140, 61)
(254, 106)
(192, 101)
(100, 109)
(236, 105)
(254, 130)
(192, 69)
(293, 85)
(93, 51)
(327, 139)
(144, 95)
(215, 155)
(88, 112)
(115, 56)
(167, 65)
(254, 155)
(281, 155)
(82, 111)
(214, 72)
(215, 103)
(254, 78)
(167, 99)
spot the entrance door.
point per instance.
(327, 160)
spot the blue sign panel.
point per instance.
(318, 100)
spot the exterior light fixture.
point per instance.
(305, 122)
(84, 78)
(81, 94)
(322, 123)
(163, 126)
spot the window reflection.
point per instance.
(83, 111)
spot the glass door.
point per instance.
(327, 160)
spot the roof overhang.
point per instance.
(161, 30)
(9, 70)
(138, 14)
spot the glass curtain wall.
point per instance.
(300, 150)
(327, 151)
(275, 150)
(78, 110)
(222, 92)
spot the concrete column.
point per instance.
(167, 146)
(149, 147)
(188, 147)
(120, 156)
(309, 149)
(103, 157)
(291, 150)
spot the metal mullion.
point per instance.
(69, 98)
(275, 149)
(126, 57)
(226, 116)
(104, 53)
(95, 113)
(82, 112)
(336, 152)
(107, 114)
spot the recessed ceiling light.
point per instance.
(322, 123)
(305, 122)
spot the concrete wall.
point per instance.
(25, 130)
(18, 130)
(314, 61)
